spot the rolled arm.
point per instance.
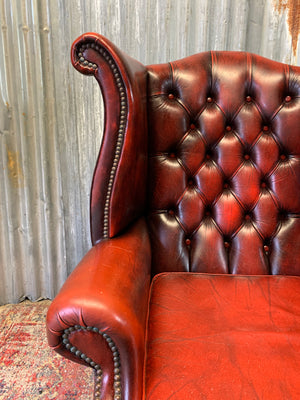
(99, 316)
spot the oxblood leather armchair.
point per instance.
(191, 289)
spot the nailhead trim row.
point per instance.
(97, 367)
(122, 123)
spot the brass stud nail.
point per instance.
(288, 99)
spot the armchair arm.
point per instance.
(99, 316)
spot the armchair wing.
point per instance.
(123, 153)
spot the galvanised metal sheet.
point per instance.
(51, 117)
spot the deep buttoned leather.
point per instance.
(224, 171)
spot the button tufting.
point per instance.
(171, 96)
(265, 128)
(226, 185)
(282, 157)
(187, 242)
(288, 99)
(209, 100)
(228, 128)
(191, 182)
(263, 185)
(246, 157)
(193, 126)
(227, 245)
(248, 99)
(247, 217)
(171, 212)
(266, 248)
(172, 155)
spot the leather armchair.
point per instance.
(191, 289)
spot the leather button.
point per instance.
(282, 157)
(187, 242)
(171, 96)
(246, 157)
(247, 217)
(228, 128)
(288, 99)
(266, 248)
(283, 215)
(171, 212)
(190, 182)
(208, 210)
(227, 245)
(209, 100)
(248, 99)
(265, 128)
(263, 185)
(226, 185)
(192, 126)
(209, 154)
(172, 155)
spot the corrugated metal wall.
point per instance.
(51, 116)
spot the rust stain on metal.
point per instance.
(15, 172)
(293, 18)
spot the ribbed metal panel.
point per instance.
(51, 117)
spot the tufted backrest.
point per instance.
(208, 147)
(224, 168)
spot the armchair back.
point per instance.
(207, 148)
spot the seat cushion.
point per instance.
(223, 337)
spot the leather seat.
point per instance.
(191, 288)
(223, 337)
